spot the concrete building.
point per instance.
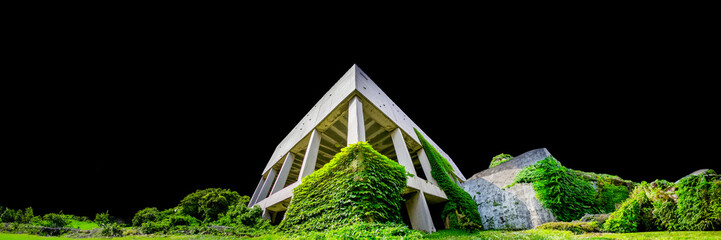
(354, 109)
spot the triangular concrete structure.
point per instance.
(334, 122)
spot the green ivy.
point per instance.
(357, 185)
(699, 202)
(568, 196)
(500, 158)
(460, 212)
(692, 204)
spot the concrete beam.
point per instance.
(278, 198)
(311, 155)
(356, 124)
(426, 165)
(267, 185)
(254, 198)
(419, 213)
(283, 174)
(404, 157)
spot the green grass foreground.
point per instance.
(443, 234)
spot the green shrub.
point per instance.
(460, 212)
(155, 227)
(8, 215)
(145, 215)
(103, 219)
(357, 185)
(241, 215)
(500, 158)
(575, 227)
(207, 204)
(55, 220)
(111, 230)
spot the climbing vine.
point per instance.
(460, 212)
(691, 204)
(358, 185)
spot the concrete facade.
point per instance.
(354, 109)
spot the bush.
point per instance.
(103, 219)
(208, 204)
(500, 158)
(357, 185)
(241, 215)
(145, 215)
(111, 230)
(460, 212)
(55, 220)
(8, 215)
(575, 227)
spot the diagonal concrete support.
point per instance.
(356, 124)
(404, 157)
(419, 213)
(311, 155)
(267, 184)
(423, 158)
(283, 174)
(254, 199)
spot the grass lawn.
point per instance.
(443, 234)
(554, 234)
(83, 225)
(9, 236)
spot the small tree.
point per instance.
(207, 204)
(103, 219)
(145, 215)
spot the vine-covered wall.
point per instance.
(357, 185)
(460, 211)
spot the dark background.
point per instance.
(120, 115)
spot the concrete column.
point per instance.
(266, 185)
(256, 193)
(404, 157)
(267, 215)
(356, 124)
(311, 155)
(283, 174)
(419, 213)
(426, 166)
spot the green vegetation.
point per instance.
(574, 227)
(500, 158)
(460, 212)
(568, 193)
(693, 204)
(568, 196)
(359, 185)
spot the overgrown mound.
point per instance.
(500, 158)
(460, 212)
(569, 193)
(201, 212)
(692, 204)
(358, 185)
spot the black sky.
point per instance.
(120, 116)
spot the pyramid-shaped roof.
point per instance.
(353, 82)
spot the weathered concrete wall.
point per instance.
(513, 208)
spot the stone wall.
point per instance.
(513, 208)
